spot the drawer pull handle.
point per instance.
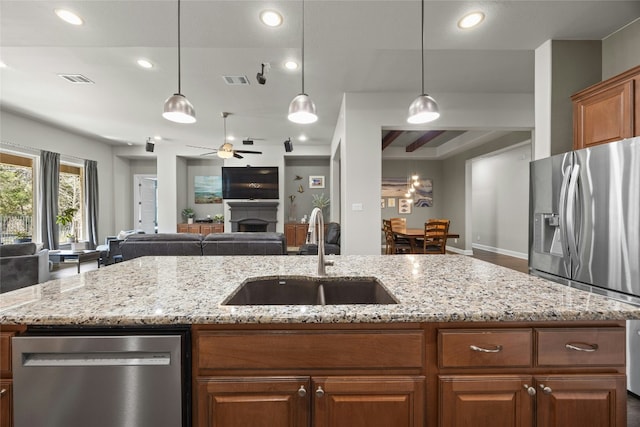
(578, 346)
(302, 392)
(3, 392)
(530, 390)
(496, 349)
(319, 392)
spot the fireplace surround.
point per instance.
(253, 216)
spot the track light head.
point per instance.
(260, 76)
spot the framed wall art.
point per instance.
(316, 181)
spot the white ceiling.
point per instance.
(351, 46)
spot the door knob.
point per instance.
(319, 392)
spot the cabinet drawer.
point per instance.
(578, 346)
(286, 350)
(484, 348)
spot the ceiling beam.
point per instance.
(390, 137)
(428, 136)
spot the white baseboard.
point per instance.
(459, 251)
(500, 251)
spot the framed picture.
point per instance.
(316, 181)
(424, 194)
(207, 189)
(404, 206)
(391, 202)
(394, 187)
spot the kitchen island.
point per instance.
(467, 340)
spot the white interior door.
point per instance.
(145, 203)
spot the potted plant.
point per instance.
(66, 218)
(218, 218)
(188, 213)
(320, 201)
(21, 237)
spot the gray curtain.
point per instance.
(48, 198)
(91, 200)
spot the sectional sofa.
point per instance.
(241, 243)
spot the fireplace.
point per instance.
(253, 216)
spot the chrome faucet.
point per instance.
(318, 223)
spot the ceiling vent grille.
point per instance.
(76, 78)
(236, 80)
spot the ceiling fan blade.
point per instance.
(237, 156)
(248, 151)
(199, 146)
(209, 153)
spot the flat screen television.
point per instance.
(250, 182)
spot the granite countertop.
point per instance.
(190, 290)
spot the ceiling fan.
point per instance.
(226, 150)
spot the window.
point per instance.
(16, 197)
(70, 197)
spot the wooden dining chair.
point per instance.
(435, 236)
(392, 246)
(399, 223)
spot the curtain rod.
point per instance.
(38, 150)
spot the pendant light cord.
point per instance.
(422, 42)
(303, 46)
(179, 76)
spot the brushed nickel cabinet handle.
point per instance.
(495, 349)
(579, 346)
(545, 389)
(319, 392)
(530, 390)
(302, 392)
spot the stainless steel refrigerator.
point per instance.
(584, 214)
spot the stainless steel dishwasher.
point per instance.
(131, 380)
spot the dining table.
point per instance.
(412, 234)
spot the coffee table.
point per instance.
(77, 257)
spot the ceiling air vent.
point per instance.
(76, 78)
(236, 80)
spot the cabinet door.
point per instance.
(581, 400)
(193, 228)
(6, 403)
(605, 116)
(290, 234)
(485, 401)
(206, 229)
(255, 402)
(301, 234)
(183, 228)
(368, 401)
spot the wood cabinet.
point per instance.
(203, 228)
(532, 390)
(607, 111)
(318, 377)
(6, 375)
(295, 233)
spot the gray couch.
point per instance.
(331, 242)
(139, 245)
(22, 264)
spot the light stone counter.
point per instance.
(190, 290)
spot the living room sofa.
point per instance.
(267, 243)
(22, 264)
(331, 242)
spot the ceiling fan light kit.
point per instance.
(302, 110)
(424, 108)
(177, 107)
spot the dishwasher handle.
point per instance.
(119, 358)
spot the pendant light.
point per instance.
(177, 107)
(302, 110)
(424, 108)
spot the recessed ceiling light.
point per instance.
(69, 17)
(291, 65)
(302, 138)
(271, 18)
(470, 20)
(157, 138)
(144, 63)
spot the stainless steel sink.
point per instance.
(310, 291)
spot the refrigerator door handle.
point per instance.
(562, 208)
(570, 218)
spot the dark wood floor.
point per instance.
(633, 402)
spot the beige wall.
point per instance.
(621, 50)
